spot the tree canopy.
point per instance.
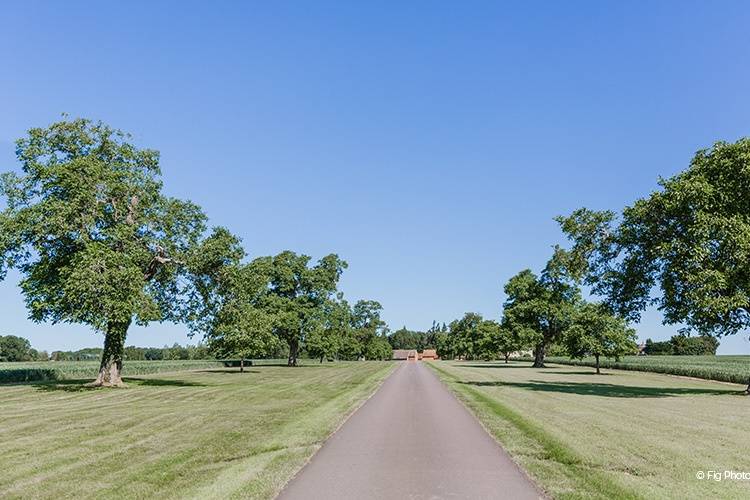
(539, 309)
(685, 248)
(93, 236)
(596, 332)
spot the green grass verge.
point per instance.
(211, 433)
(733, 369)
(621, 435)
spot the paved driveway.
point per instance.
(412, 439)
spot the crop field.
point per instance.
(39, 371)
(734, 369)
(65, 370)
(622, 434)
(207, 433)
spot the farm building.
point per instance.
(405, 354)
(429, 354)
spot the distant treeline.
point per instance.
(13, 348)
(411, 339)
(133, 353)
(682, 345)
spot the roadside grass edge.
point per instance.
(591, 481)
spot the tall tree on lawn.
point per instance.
(92, 234)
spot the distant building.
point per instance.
(429, 355)
(400, 354)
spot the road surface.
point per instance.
(413, 440)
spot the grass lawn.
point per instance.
(622, 434)
(211, 433)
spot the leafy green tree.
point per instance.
(327, 339)
(367, 326)
(684, 248)
(658, 348)
(596, 332)
(445, 346)
(378, 348)
(702, 345)
(227, 303)
(408, 339)
(505, 341)
(466, 335)
(13, 348)
(540, 309)
(94, 237)
(296, 294)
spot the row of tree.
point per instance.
(97, 242)
(134, 353)
(682, 345)
(684, 249)
(417, 340)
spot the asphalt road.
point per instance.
(414, 440)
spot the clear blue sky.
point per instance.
(429, 144)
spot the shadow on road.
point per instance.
(606, 390)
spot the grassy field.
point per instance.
(622, 434)
(199, 434)
(735, 369)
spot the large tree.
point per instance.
(93, 236)
(13, 348)
(331, 331)
(539, 309)
(502, 340)
(685, 248)
(596, 332)
(296, 294)
(369, 329)
(226, 303)
(466, 335)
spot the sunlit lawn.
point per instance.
(198, 434)
(616, 435)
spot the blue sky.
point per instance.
(429, 144)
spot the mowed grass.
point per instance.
(201, 434)
(617, 435)
(734, 369)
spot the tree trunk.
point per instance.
(747, 391)
(539, 356)
(242, 365)
(597, 364)
(321, 360)
(110, 369)
(293, 353)
(507, 355)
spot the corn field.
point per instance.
(735, 369)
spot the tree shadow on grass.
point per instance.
(607, 390)
(160, 382)
(228, 370)
(496, 365)
(84, 385)
(576, 372)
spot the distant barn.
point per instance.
(429, 354)
(404, 354)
